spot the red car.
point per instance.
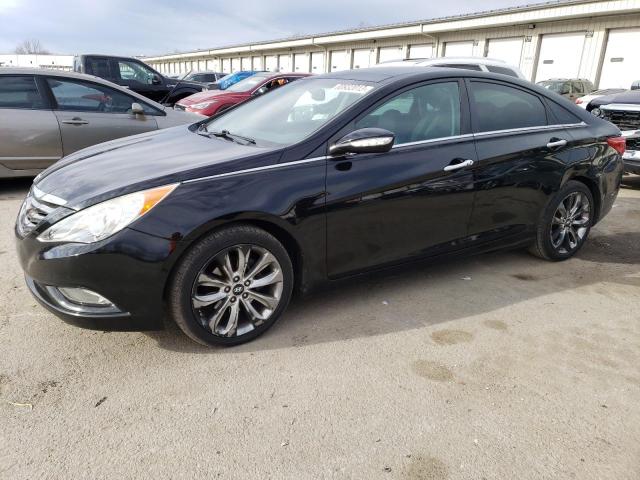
(216, 101)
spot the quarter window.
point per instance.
(423, 113)
(79, 96)
(499, 107)
(19, 92)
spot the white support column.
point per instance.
(530, 56)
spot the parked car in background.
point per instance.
(204, 77)
(571, 88)
(48, 114)
(478, 64)
(584, 101)
(215, 224)
(623, 110)
(231, 79)
(217, 101)
(136, 76)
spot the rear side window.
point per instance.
(561, 115)
(502, 70)
(20, 92)
(499, 107)
(578, 88)
(100, 67)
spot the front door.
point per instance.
(413, 201)
(90, 113)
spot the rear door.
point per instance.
(29, 133)
(413, 201)
(519, 147)
(89, 113)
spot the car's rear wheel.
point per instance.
(565, 223)
(231, 286)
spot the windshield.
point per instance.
(246, 84)
(290, 114)
(557, 87)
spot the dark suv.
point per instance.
(571, 88)
(137, 76)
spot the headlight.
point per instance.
(202, 106)
(597, 112)
(104, 219)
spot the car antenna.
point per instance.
(168, 95)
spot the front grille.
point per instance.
(33, 211)
(624, 120)
(633, 143)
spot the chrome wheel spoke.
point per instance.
(217, 317)
(243, 259)
(207, 280)
(559, 238)
(265, 259)
(580, 222)
(274, 277)
(572, 237)
(226, 267)
(266, 300)
(200, 301)
(256, 317)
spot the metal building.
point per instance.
(594, 39)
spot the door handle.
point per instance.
(75, 121)
(458, 166)
(556, 143)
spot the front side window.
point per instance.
(424, 113)
(134, 71)
(289, 115)
(499, 107)
(19, 92)
(79, 96)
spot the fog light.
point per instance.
(83, 296)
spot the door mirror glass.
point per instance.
(365, 140)
(261, 90)
(155, 79)
(136, 109)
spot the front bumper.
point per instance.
(128, 269)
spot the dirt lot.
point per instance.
(495, 367)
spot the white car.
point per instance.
(582, 102)
(480, 64)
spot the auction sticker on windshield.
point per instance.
(353, 88)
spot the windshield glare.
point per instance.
(246, 84)
(291, 113)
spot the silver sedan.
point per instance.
(46, 114)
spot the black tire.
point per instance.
(183, 282)
(543, 246)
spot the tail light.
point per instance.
(579, 101)
(619, 144)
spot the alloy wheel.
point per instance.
(570, 223)
(237, 290)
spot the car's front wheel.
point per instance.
(231, 286)
(565, 223)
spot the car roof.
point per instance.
(77, 76)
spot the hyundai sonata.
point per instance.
(215, 225)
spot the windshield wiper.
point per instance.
(231, 136)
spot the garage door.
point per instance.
(317, 62)
(339, 60)
(301, 62)
(226, 65)
(257, 63)
(246, 63)
(271, 63)
(284, 63)
(621, 65)
(235, 65)
(388, 54)
(458, 49)
(363, 58)
(560, 56)
(421, 51)
(507, 49)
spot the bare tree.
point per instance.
(31, 46)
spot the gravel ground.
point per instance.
(500, 366)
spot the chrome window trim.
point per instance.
(629, 107)
(434, 140)
(257, 169)
(541, 128)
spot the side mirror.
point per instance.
(365, 140)
(635, 85)
(136, 109)
(261, 91)
(156, 80)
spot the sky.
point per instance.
(153, 27)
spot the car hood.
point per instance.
(212, 95)
(144, 161)
(174, 118)
(630, 97)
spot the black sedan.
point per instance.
(217, 224)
